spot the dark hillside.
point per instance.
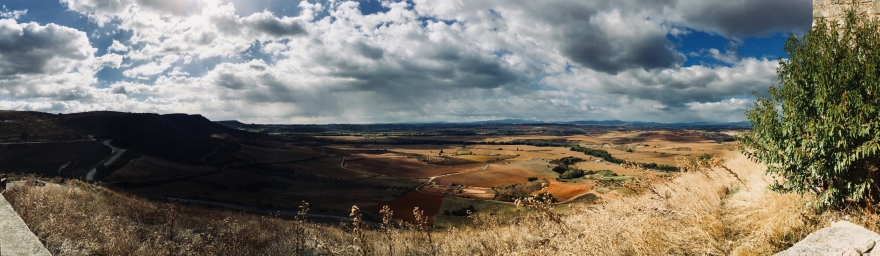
(176, 137)
(63, 159)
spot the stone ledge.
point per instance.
(15, 236)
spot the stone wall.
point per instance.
(833, 9)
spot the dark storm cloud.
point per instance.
(397, 76)
(369, 51)
(33, 49)
(593, 49)
(267, 23)
(745, 18)
(587, 40)
(231, 81)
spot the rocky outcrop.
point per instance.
(841, 238)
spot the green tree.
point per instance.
(819, 129)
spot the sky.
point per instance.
(371, 61)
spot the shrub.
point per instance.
(572, 174)
(516, 191)
(533, 178)
(819, 129)
(560, 169)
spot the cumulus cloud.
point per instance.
(420, 60)
(48, 61)
(30, 48)
(103, 11)
(116, 46)
(12, 14)
(675, 87)
(152, 68)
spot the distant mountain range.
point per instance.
(234, 123)
(616, 123)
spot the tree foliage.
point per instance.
(819, 128)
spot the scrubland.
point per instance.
(713, 211)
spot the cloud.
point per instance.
(117, 47)
(412, 61)
(675, 88)
(14, 14)
(152, 68)
(30, 48)
(608, 36)
(49, 61)
(266, 23)
(745, 18)
(103, 11)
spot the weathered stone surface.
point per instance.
(841, 238)
(15, 236)
(834, 9)
(864, 246)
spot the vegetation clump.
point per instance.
(819, 129)
(608, 158)
(572, 174)
(517, 191)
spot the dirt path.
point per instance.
(15, 236)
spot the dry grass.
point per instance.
(705, 213)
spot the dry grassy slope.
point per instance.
(696, 213)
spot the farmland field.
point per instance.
(429, 169)
(151, 167)
(376, 171)
(262, 154)
(388, 164)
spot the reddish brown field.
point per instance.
(497, 175)
(564, 191)
(403, 206)
(493, 176)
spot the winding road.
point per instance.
(91, 176)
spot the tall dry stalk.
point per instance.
(424, 227)
(299, 228)
(387, 228)
(358, 226)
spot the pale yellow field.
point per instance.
(661, 147)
